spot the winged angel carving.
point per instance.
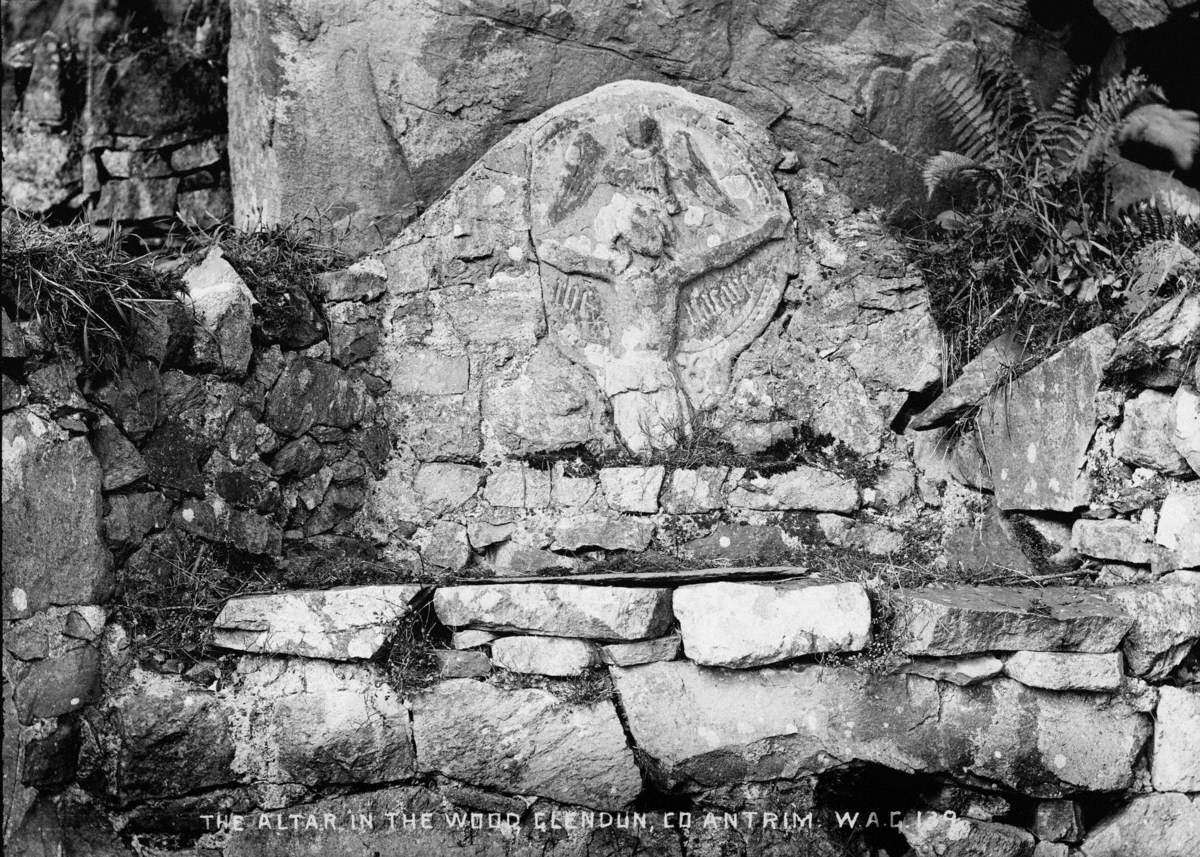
(663, 248)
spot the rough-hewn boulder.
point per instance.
(54, 552)
(1066, 670)
(1155, 825)
(1176, 765)
(1166, 623)
(556, 656)
(727, 726)
(525, 742)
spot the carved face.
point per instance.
(660, 245)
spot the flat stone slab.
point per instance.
(977, 378)
(708, 727)
(556, 656)
(1166, 624)
(641, 652)
(557, 609)
(1036, 431)
(525, 742)
(965, 620)
(749, 624)
(1123, 541)
(672, 577)
(933, 833)
(348, 623)
(1066, 670)
(1176, 763)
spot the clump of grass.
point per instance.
(170, 596)
(592, 686)
(280, 265)
(411, 659)
(83, 293)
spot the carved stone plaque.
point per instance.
(663, 244)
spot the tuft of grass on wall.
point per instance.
(83, 293)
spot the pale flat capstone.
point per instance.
(348, 623)
(749, 624)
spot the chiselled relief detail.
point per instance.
(662, 242)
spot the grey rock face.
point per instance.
(991, 618)
(1154, 825)
(223, 308)
(555, 656)
(525, 742)
(557, 609)
(1176, 762)
(1179, 528)
(1146, 436)
(1066, 670)
(53, 549)
(640, 652)
(348, 623)
(1166, 623)
(1036, 431)
(316, 722)
(805, 488)
(1123, 541)
(749, 624)
(734, 726)
(817, 74)
(934, 835)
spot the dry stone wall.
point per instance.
(659, 564)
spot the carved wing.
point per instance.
(694, 174)
(582, 167)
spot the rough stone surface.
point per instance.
(471, 638)
(560, 610)
(976, 380)
(727, 726)
(317, 723)
(347, 623)
(1058, 821)
(1157, 825)
(1155, 350)
(554, 656)
(470, 664)
(1185, 426)
(991, 618)
(159, 737)
(222, 306)
(593, 530)
(1129, 15)
(805, 488)
(641, 652)
(748, 624)
(1176, 761)
(1146, 437)
(960, 671)
(935, 835)
(695, 490)
(1179, 527)
(1123, 541)
(300, 98)
(53, 549)
(1166, 623)
(1066, 670)
(1036, 431)
(312, 393)
(632, 489)
(525, 742)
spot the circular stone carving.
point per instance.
(663, 244)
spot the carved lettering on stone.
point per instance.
(663, 244)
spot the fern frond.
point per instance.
(973, 126)
(945, 167)
(1085, 141)
(1007, 93)
(1068, 101)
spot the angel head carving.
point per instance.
(658, 236)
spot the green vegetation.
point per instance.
(83, 292)
(1029, 235)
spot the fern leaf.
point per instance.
(1069, 100)
(1085, 141)
(945, 167)
(973, 126)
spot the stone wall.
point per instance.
(117, 111)
(623, 479)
